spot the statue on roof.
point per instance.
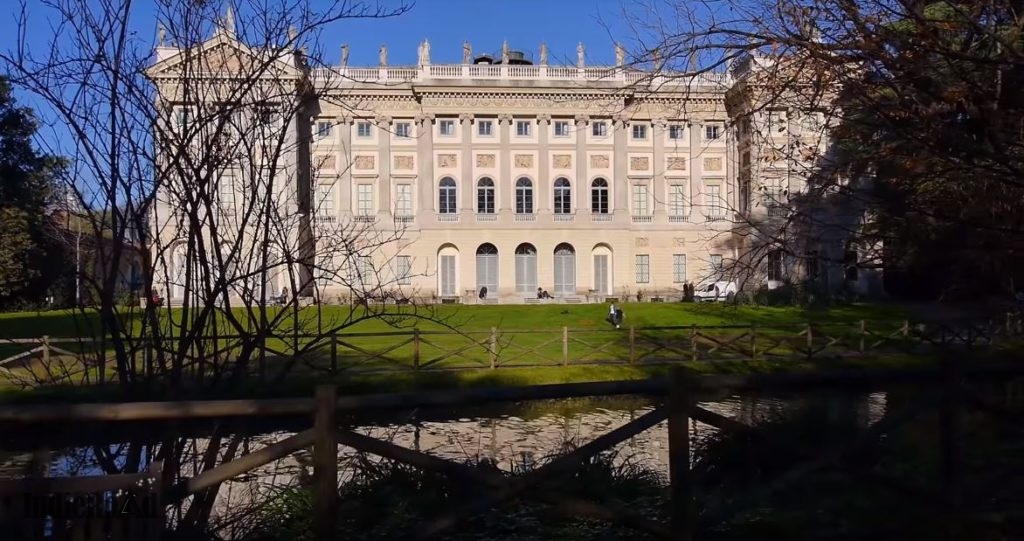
(383, 55)
(229, 19)
(543, 54)
(580, 54)
(424, 56)
(344, 54)
(161, 35)
(620, 55)
(504, 52)
(467, 52)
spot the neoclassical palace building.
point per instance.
(510, 175)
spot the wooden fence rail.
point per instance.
(423, 350)
(683, 390)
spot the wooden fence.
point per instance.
(425, 350)
(683, 390)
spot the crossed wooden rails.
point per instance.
(682, 390)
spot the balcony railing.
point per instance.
(326, 219)
(486, 217)
(715, 218)
(777, 211)
(600, 217)
(449, 217)
(550, 73)
(404, 218)
(563, 217)
(678, 218)
(524, 217)
(642, 219)
(365, 218)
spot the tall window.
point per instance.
(639, 131)
(227, 192)
(561, 128)
(364, 199)
(485, 196)
(487, 269)
(182, 117)
(563, 196)
(446, 128)
(403, 200)
(640, 200)
(599, 196)
(363, 129)
(716, 266)
(523, 128)
(403, 130)
(599, 129)
(446, 196)
(484, 128)
(446, 268)
(643, 268)
(714, 202)
(775, 266)
(403, 270)
(524, 196)
(675, 131)
(677, 200)
(364, 270)
(678, 268)
(565, 269)
(712, 132)
(325, 199)
(526, 269)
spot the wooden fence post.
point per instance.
(680, 399)
(334, 353)
(632, 345)
(102, 368)
(416, 348)
(906, 328)
(565, 346)
(753, 342)
(493, 346)
(325, 464)
(863, 332)
(693, 343)
(46, 351)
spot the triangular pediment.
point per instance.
(223, 55)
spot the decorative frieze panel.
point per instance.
(599, 161)
(562, 161)
(642, 242)
(678, 242)
(364, 163)
(713, 164)
(485, 160)
(404, 162)
(447, 160)
(325, 162)
(675, 163)
(640, 163)
(524, 161)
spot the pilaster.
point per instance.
(504, 182)
(384, 170)
(544, 196)
(582, 184)
(467, 182)
(619, 170)
(425, 199)
(658, 187)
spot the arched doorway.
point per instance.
(526, 268)
(602, 254)
(447, 271)
(487, 269)
(565, 269)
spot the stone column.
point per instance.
(658, 188)
(384, 169)
(425, 199)
(504, 182)
(345, 166)
(620, 199)
(696, 169)
(582, 184)
(467, 181)
(544, 196)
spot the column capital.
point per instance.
(505, 117)
(544, 117)
(620, 120)
(582, 119)
(465, 116)
(659, 122)
(383, 119)
(425, 118)
(345, 119)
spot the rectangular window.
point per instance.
(643, 268)
(640, 200)
(323, 129)
(227, 192)
(325, 199)
(775, 266)
(403, 270)
(561, 128)
(677, 200)
(714, 201)
(678, 268)
(484, 128)
(777, 121)
(599, 129)
(716, 265)
(364, 270)
(447, 264)
(364, 199)
(403, 200)
(675, 131)
(363, 129)
(712, 132)
(523, 128)
(639, 131)
(403, 130)
(811, 122)
(446, 128)
(182, 117)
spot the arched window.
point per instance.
(485, 196)
(446, 196)
(599, 196)
(602, 269)
(526, 269)
(565, 269)
(487, 269)
(524, 196)
(563, 196)
(447, 270)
